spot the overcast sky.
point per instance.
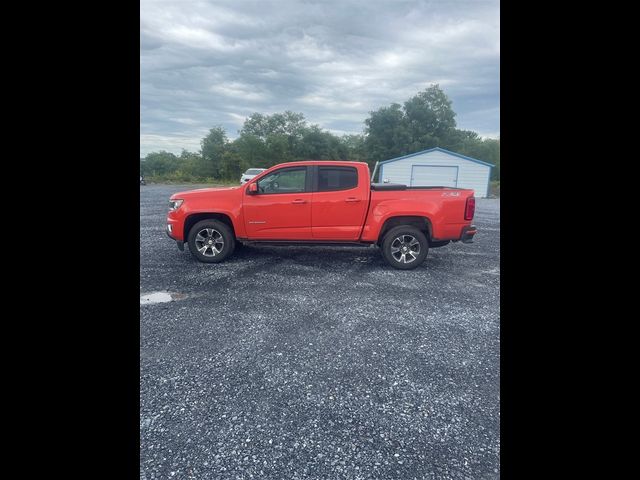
(207, 63)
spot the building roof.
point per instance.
(438, 149)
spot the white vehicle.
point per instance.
(249, 174)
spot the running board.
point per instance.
(305, 243)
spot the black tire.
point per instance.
(221, 246)
(400, 237)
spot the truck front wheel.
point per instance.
(211, 241)
(405, 247)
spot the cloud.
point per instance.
(207, 63)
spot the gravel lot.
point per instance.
(319, 362)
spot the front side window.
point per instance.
(337, 178)
(289, 180)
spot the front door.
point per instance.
(281, 209)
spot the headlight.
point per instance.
(175, 204)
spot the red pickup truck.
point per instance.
(321, 202)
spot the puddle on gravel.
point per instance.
(160, 297)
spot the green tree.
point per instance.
(252, 149)
(256, 125)
(193, 166)
(213, 148)
(490, 152)
(425, 121)
(160, 163)
(271, 130)
(315, 144)
(289, 124)
(429, 118)
(277, 149)
(462, 141)
(232, 164)
(387, 135)
(354, 145)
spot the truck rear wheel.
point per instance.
(211, 241)
(405, 247)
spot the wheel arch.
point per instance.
(194, 218)
(421, 223)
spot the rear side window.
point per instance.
(337, 178)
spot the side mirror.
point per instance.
(253, 188)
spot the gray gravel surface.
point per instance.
(319, 362)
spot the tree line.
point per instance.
(424, 121)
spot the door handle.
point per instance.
(352, 200)
(299, 202)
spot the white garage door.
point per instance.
(432, 175)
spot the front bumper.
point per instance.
(178, 242)
(468, 233)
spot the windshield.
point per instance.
(254, 171)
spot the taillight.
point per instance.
(470, 209)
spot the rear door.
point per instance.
(434, 175)
(339, 203)
(281, 210)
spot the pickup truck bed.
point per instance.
(322, 202)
